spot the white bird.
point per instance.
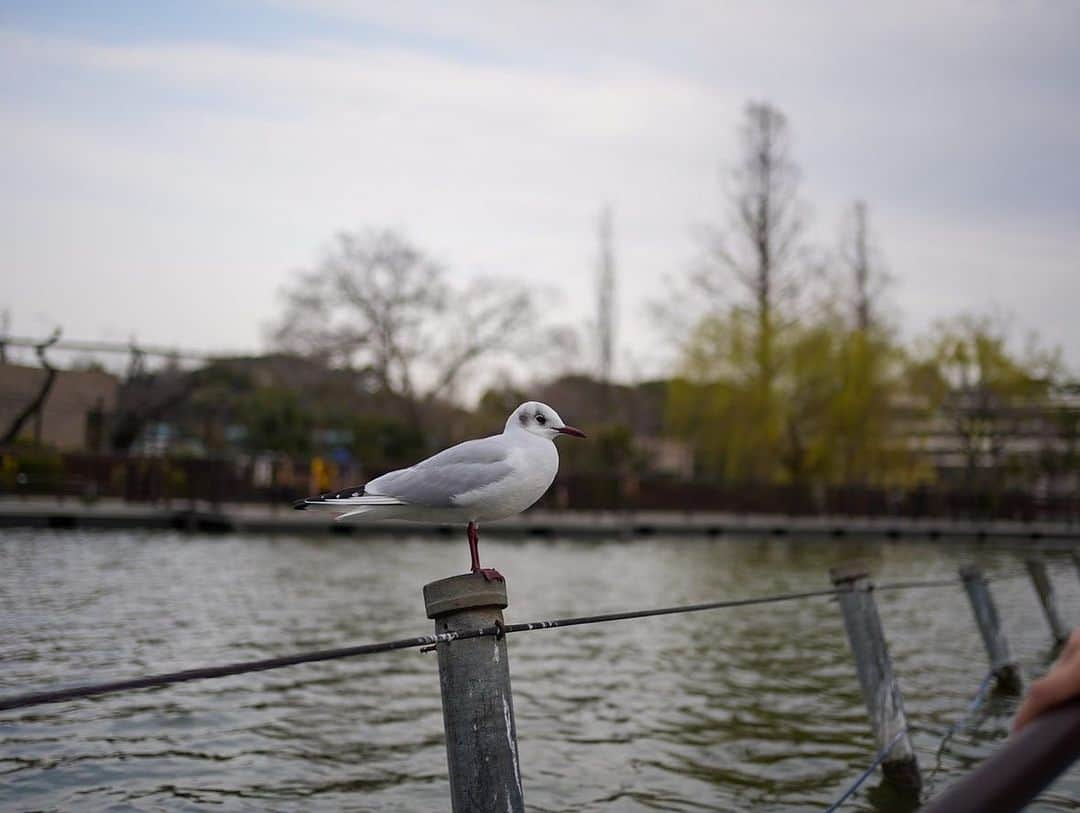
(475, 481)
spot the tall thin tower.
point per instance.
(605, 296)
(860, 264)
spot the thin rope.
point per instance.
(973, 705)
(884, 752)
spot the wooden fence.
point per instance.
(164, 480)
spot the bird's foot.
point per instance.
(490, 574)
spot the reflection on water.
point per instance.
(750, 708)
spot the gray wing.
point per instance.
(437, 481)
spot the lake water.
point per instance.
(755, 708)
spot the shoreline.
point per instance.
(69, 513)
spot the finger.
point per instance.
(1072, 647)
(1058, 686)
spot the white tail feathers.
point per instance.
(354, 506)
(364, 509)
(348, 502)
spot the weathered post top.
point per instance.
(971, 573)
(465, 592)
(848, 572)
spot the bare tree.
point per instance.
(378, 302)
(760, 244)
(738, 312)
(37, 403)
(485, 318)
(860, 258)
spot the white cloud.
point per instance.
(497, 171)
(154, 182)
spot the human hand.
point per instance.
(1061, 683)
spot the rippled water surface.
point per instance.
(755, 708)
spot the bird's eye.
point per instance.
(540, 419)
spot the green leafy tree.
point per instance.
(865, 419)
(717, 404)
(728, 400)
(965, 373)
(833, 417)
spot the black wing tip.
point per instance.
(355, 491)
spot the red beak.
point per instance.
(572, 432)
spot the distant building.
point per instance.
(74, 415)
(668, 456)
(1026, 443)
(587, 401)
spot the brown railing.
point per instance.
(163, 480)
(598, 492)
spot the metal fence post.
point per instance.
(478, 709)
(1006, 672)
(1045, 588)
(879, 687)
(1076, 560)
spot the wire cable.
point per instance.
(854, 786)
(148, 681)
(973, 705)
(685, 608)
(914, 585)
(206, 672)
(202, 673)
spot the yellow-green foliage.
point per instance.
(965, 373)
(724, 405)
(823, 410)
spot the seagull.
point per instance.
(475, 481)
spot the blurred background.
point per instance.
(772, 258)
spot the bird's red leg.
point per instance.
(489, 573)
(474, 541)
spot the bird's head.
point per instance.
(540, 419)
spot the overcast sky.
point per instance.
(165, 167)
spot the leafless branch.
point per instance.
(377, 300)
(38, 402)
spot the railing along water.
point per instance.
(481, 736)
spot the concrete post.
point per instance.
(1045, 588)
(478, 710)
(879, 687)
(1006, 672)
